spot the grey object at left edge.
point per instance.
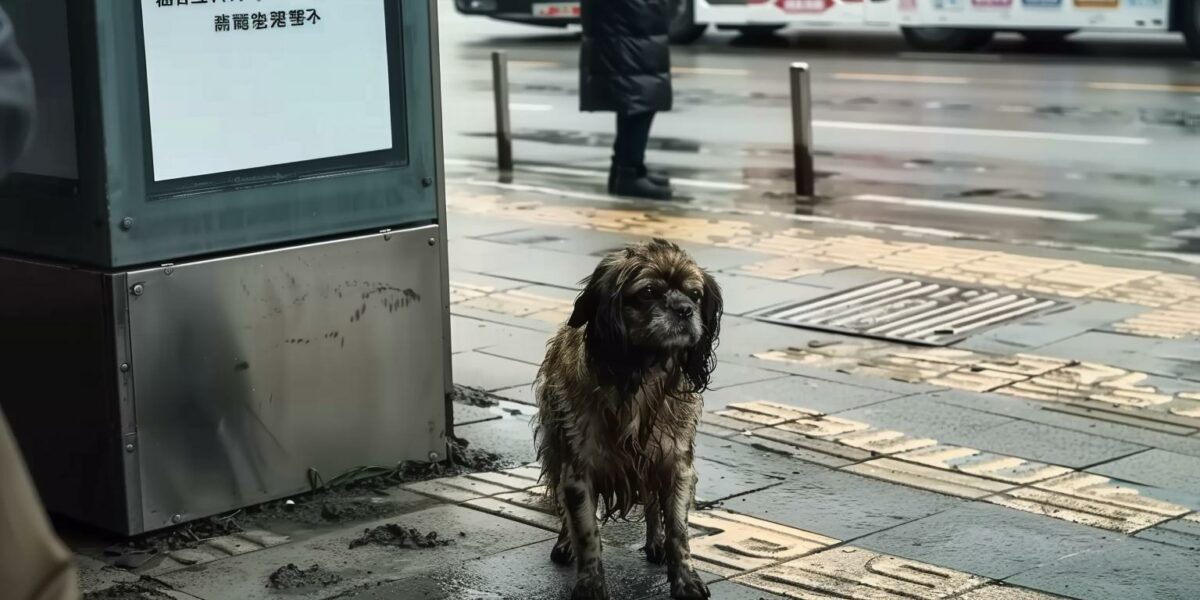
(178, 351)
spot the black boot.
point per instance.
(656, 177)
(625, 181)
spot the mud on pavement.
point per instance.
(396, 535)
(126, 591)
(291, 577)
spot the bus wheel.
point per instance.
(946, 39)
(1190, 23)
(1046, 37)
(684, 28)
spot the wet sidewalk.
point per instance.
(1052, 451)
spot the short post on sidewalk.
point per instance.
(504, 155)
(802, 129)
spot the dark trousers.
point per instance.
(633, 133)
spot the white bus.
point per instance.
(933, 25)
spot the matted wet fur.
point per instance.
(619, 400)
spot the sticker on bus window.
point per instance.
(1144, 3)
(804, 6)
(908, 5)
(1042, 3)
(1097, 3)
(992, 3)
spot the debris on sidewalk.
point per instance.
(393, 534)
(291, 577)
(474, 397)
(126, 591)
(138, 551)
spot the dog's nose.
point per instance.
(684, 312)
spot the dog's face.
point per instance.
(648, 300)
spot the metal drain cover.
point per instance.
(911, 310)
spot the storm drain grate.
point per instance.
(910, 310)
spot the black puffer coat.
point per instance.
(625, 60)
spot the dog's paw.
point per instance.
(562, 554)
(687, 585)
(590, 587)
(655, 553)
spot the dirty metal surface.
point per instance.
(911, 310)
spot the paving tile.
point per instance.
(924, 416)
(998, 591)
(728, 375)
(987, 540)
(1129, 569)
(245, 577)
(572, 240)
(465, 414)
(521, 394)
(541, 266)
(837, 504)
(1038, 412)
(488, 372)
(511, 437)
(467, 226)
(744, 295)
(531, 349)
(1157, 468)
(851, 572)
(527, 573)
(1170, 358)
(746, 457)
(1183, 532)
(1092, 500)
(472, 334)
(1053, 445)
(718, 481)
(813, 394)
(733, 543)
(1025, 336)
(729, 590)
(96, 575)
(928, 478)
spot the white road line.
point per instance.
(595, 174)
(1008, 211)
(970, 57)
(517, 106)
(710, 71)
(1002, 133)
(894, 78)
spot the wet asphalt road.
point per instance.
(1091, 144)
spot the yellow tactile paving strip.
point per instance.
(1099, 391)
(751, 551)
(1039, 488)
(1175, 298)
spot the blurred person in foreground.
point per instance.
(34, 564)
(625, 67)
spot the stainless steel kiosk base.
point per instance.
(145, 398)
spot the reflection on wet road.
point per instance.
(1092, 145)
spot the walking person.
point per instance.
(34, 564)
(625, 68)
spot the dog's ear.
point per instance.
(600, 307)
(702, 358)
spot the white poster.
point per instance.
(239, 84)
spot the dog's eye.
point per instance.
(647, 293)
(695, 295)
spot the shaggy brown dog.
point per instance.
(619, 400)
